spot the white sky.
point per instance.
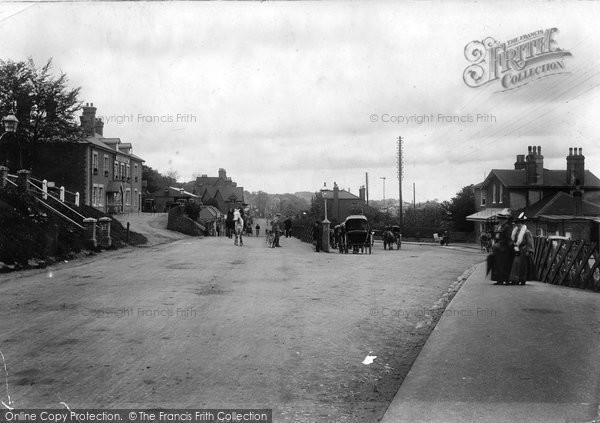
(283, 93)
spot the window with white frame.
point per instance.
(494, 194)
(106, 165)
(122, 174)
(135, 196)
(94, 195)
(127, 196)
(128, 171)
(116, 170)
(483, 195)
(100, 194)
(135, 172)
(95, 161)
(501, 194)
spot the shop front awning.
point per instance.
(484, 215)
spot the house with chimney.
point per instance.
(221, 189)
(105, 172)
(562, 202)
(342, 203)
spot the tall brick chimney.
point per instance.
(575, 167)
(361, 193)
(336, 202)
(88, 119)
(520, 163)
(534, 166)
(99, 127)
(222, 173)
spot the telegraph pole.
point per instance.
(383, 177)
(367, 186)
(400, 164)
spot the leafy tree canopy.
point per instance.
(459, 207)
(156, 180)
(41, 100)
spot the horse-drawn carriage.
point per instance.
(391, 235)
(355, 235)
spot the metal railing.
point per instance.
(45, 195)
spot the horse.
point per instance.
(389, 239)
(239, 231)
(239, 227)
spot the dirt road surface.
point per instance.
(199, 323)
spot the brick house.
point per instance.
(570, 192)
(105, 172)
(342, 203)
(221, 189)
(162, 200)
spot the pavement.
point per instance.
(507, 354)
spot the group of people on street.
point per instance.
(235, 227)
(511, 259)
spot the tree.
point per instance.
(155, 180)
(42, 102)
(459, 207)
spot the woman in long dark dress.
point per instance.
(502, 251)
(522, 241)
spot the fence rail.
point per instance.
(568, 263)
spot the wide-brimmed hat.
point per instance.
(504, 214)
(521, 218)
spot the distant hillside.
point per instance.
(268, 204)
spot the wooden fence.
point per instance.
(567, 263)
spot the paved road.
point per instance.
(201, 323)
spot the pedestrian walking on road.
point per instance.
(276, 228)
(316, 236)
(499, 261)
(229, 224)
(522, 266)
(257, 229)
(287, 224)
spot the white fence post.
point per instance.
(77, 199)
(62, 194)
(45, 189)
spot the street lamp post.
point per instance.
(326, 222)
(10, 123)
